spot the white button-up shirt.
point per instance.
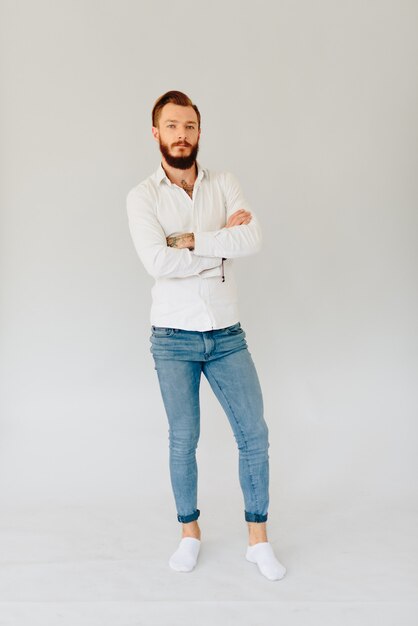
(193, 289)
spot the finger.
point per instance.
(239, 215)
(240, 220)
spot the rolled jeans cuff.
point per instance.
(188, 518)
(255, 517)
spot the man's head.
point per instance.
(176, 127)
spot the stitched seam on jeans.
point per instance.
(246, 444)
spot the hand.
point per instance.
(183, 240)
(239, 217)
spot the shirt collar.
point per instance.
(160, 174)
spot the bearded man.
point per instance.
(188, 224)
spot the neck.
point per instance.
(176, 175)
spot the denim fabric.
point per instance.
(180, 357)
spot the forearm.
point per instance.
(234, 242)
(171, 263)
(183, 240)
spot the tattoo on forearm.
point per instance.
(176, 241)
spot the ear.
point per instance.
(155, 133)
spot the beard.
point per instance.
(179, 162)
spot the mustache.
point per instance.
(182, 162)
(184, 143)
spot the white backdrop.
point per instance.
(313, 105)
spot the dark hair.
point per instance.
(176, 97)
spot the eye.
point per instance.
(170, 125)
(192, 127)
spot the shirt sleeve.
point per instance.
(159, 259)
(236, 241)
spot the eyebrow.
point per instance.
(188, 122)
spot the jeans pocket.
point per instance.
(162, 331)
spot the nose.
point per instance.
(182, 133)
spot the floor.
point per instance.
(107, 564)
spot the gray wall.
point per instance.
(313, 105)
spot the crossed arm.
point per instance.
(186, 240)
(190, 254)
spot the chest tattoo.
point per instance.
(187, 188)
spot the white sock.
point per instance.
(262, 554)
(185, 557)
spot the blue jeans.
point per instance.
(180, 357)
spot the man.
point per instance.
(188, 224)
